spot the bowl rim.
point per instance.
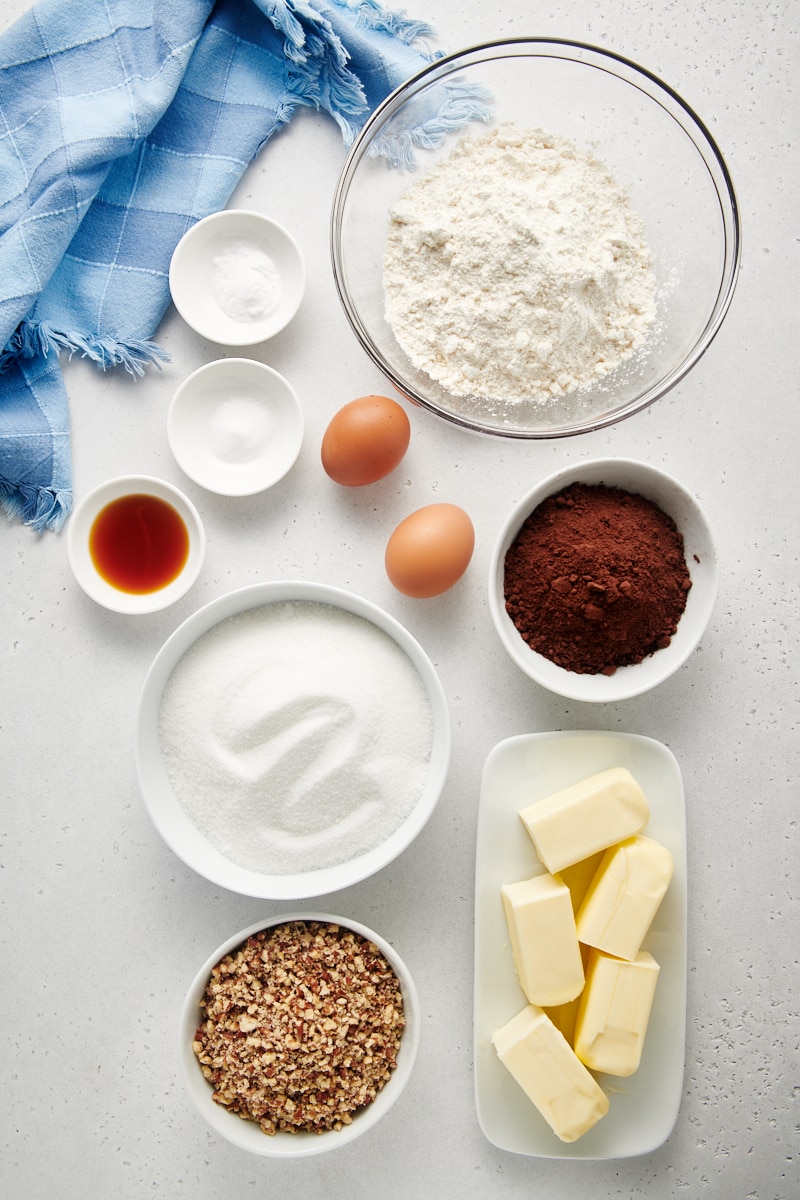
(629, 681)
(255, 332)
(292, 423)
(83, 569)
(245, 1134)
(668, 99)
(174, 826)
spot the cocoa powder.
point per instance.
(596, 578)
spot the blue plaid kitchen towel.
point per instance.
(122, 123)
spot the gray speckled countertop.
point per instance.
(102, 927)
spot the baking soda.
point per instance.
(245, 282)
(296, 736)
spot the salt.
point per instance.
(245, 282)
(239, 430)
(296, 736)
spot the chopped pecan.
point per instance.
(275, 1052)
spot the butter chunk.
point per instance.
(579, 876)
(544, 941)
(614, 1012)
(564, 1016)
(624, 896)
(550, 1073)
(585, 818)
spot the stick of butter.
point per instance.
(550, 1073)
(614, 1012)
(624, 896)
(588, 816)
(544, 942)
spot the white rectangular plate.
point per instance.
(643, 1108)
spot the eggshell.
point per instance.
(430, 550)
(365, 440)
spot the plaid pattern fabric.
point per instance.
(121, 124)
(34, 441)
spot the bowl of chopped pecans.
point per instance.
(298, 1034)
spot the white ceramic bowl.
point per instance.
(79, 532)
(172, 821)
(235, 426)
(701, 560)
(246, 1134)
(237, 277)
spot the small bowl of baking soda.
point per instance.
(237, 277)
(235, 426)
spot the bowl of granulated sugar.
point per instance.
(292, 739)
(535, 238)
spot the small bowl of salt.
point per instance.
(237, 277)
(235, 426)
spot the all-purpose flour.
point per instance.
(516, 269)
(295, 736)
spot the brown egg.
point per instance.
(365, 440)
(430, 550)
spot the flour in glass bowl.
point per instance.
(295, 736)
(516, 269)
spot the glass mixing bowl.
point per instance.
(651, 143)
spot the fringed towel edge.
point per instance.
(370, 15)
(32, 338)
(463, 103)
(41, 508)
(320, 75)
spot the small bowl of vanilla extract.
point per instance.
(135, 544)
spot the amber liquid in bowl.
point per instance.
(139, 543)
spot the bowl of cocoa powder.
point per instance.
(603, 579)
(298, 1034)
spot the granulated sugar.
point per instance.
(295, 736)
(516, 269)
